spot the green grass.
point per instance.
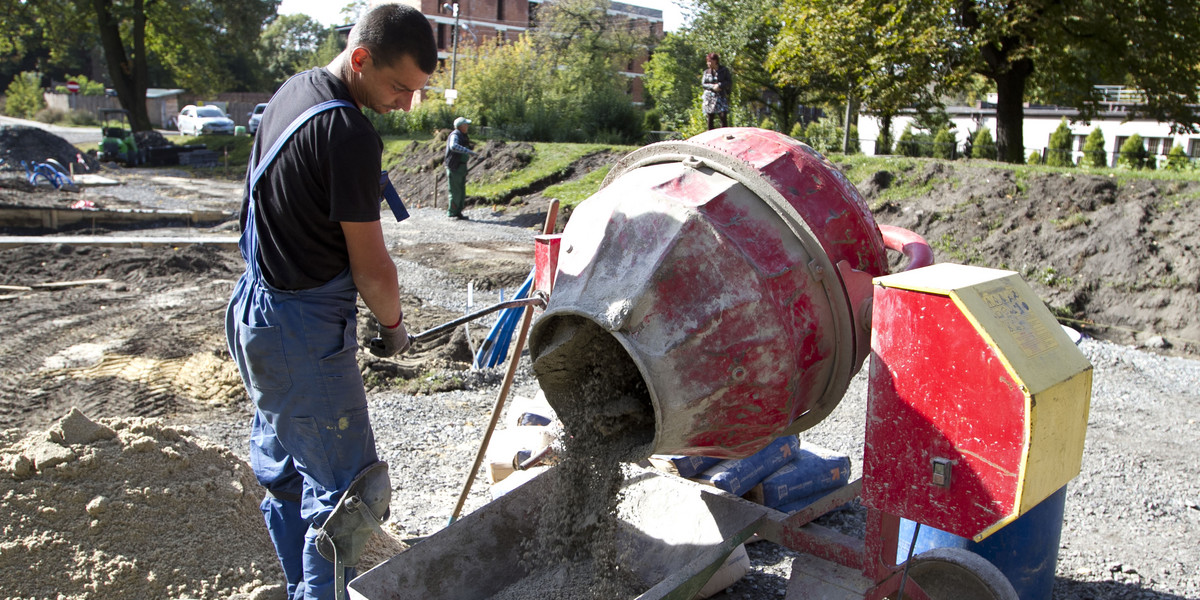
(861, 166)
(572, 193)
(548, 161)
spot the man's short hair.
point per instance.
(389, 31)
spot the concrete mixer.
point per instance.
(723, 291)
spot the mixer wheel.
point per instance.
(955, 573)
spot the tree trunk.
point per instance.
(1010, 111)
(784, 111)
(129, 75)
(846, 130)
(885, 135)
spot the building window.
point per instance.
(499, 10)
(1194, 147)
(441, 36)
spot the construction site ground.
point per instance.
(131, 336)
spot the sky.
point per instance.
(327, 11)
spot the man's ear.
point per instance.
(358, 57)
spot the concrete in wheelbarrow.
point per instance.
(679, 533)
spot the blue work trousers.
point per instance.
(311, 435)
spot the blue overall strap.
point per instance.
(287, 134)
(392, 197)
(248, 244)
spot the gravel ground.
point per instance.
(1132, 517)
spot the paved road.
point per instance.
(74, 135)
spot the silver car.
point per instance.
(204, 120)
(256, 118)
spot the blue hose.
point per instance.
(495, 346)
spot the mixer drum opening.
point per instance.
(594, 386)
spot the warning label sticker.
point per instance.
(1010, 308)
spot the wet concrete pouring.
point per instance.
(148, 345)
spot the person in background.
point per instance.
(458, 152)
(717, 83)
(313, 243)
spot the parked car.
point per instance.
(209, 120)
(256, 118)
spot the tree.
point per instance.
(1093, 149)
(204, 45)
(673, 78)
(287, 46)
(884, 54)
(1065, 48)
(744, 32)
(1059, 152)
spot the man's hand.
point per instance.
(390, 341)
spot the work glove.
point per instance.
(390, 342)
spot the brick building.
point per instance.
(482, 21)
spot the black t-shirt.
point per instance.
(328, 172)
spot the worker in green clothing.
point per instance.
(458, 151)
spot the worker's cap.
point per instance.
(459, 122)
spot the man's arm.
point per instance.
(373, 270)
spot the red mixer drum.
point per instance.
(700, 301)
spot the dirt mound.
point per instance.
(131, 508)
(150, 139)
(421, 180)
(31, 145)
(1117, 260)
(128, 508)
(419, 175)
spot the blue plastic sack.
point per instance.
(814, 470)
(738, 475)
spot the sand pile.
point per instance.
(129, 508)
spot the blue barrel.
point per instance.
(1026, 550)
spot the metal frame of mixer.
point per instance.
(797, 531)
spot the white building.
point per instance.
(1040, 122)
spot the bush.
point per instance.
(25, 95)
(824, 135)
(797, 132)
(983, 146)
(907, 144)
(767, 123)
(610, 118)
(1035, 158)
(50, 115)
(1093, 149)
(1177, 159)
(1134, 154)
(944, 144)
(87, 87)
(430, 115)
(1059, 152)
(652, 120)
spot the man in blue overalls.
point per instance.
(312, 242)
